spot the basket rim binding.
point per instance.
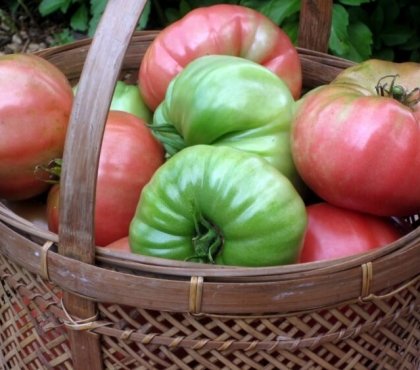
(161, 266)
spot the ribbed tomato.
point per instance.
(356, 141)
(219, 29)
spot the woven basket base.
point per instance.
(383, 334)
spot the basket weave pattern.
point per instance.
(361, 312)
(377, 334)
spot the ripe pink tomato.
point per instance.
(335, 232)
(35, 105)
(129, 156)
(356, 141)
(120, 245)
(219, 29)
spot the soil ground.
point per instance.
(25, 32)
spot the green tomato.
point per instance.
(127, 98)
(230, 101)
(219, 205)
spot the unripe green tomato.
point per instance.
(219, 205)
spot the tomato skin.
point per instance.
(334, 232)
(120, 245)
(35, 105)
(204, 193)
(356, 149)
(53, 200)
(219, 29)
(127, 98)
(246, 107)
(129, 156)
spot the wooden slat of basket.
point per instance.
(81, 157)
(315, 24)
(163, 267)
(247, 296)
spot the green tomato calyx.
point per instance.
(397, 92)
(52, 170)
(207, 243)
(170, 138)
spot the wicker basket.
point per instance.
(66, 304)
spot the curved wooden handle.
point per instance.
(315, 24)
(86, 127)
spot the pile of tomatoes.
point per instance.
(217, 156)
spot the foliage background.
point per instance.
(361, 29)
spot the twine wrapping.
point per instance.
(367, 279)
(89, 323)
(196, 294)
(44, 260)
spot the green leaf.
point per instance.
(65, 7)
(12, 6)
(414, 13)
(144, 18)
(47, 7)
(97, 8)
(412, 44)
(292, 29)
(358, 14)
(184, 7)
(63, 37)
(377, 20)
(80, 19)
(339, 38)
(385, 54)
(360, 42)
(398, 35)
(201, 3)
(391, 10)
(172, 14)
(276, 10)
(415, 56)
(353, 2)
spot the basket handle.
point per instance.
(315, 24)
(81, 159)
(86, 127)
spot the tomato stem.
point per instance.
(397, 92)
(207, 242)
(52, 169)
(171, 139)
